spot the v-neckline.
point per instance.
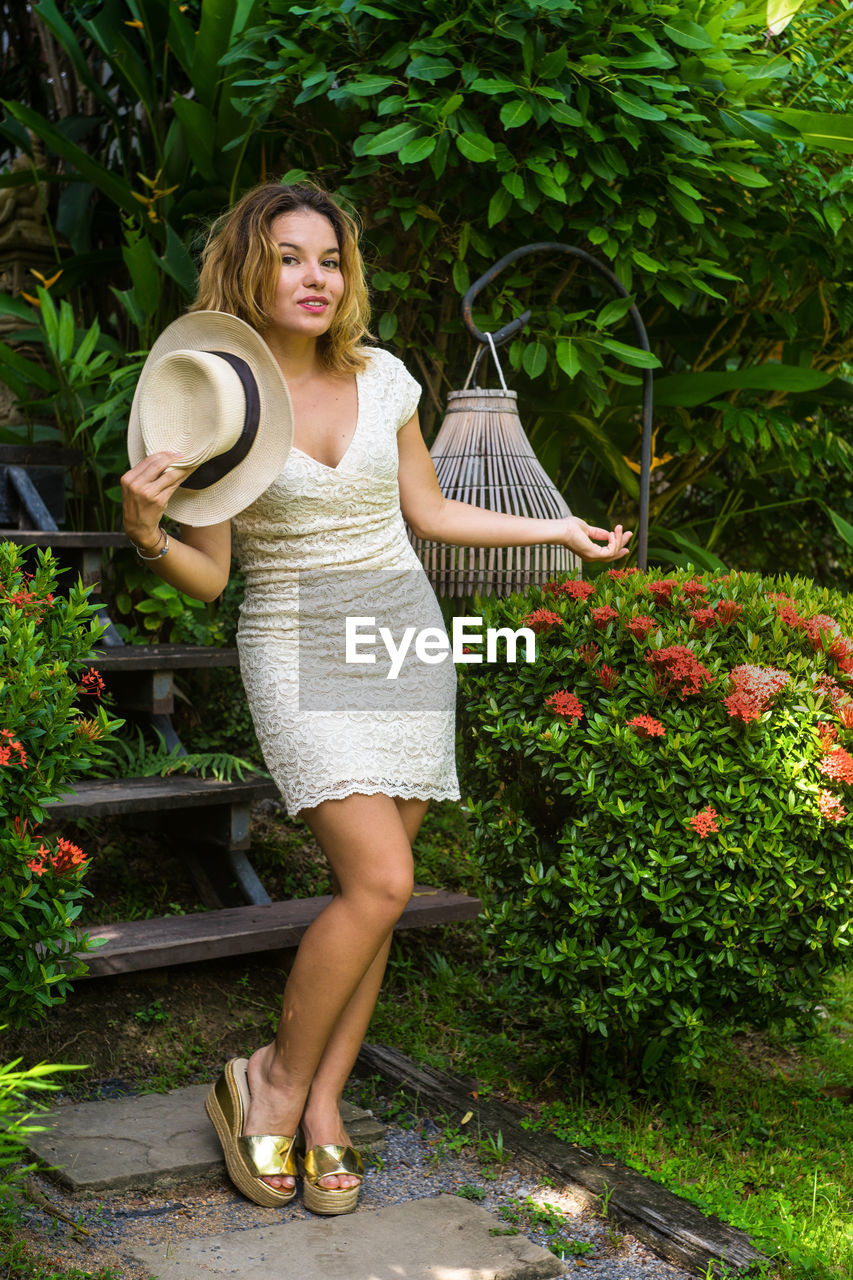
(336, 467)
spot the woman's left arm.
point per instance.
(434, 517)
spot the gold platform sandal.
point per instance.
(249, 1158)
(323, 1162)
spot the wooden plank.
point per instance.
(69, 539)
(100, 796)
(672, 1227)
(148, 944)
(160, 657)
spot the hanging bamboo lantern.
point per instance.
(482, 456)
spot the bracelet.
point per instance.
(160, 553)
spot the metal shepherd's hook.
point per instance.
(504, 334)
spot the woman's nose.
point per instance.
(313, 273)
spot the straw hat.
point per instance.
(211, 391)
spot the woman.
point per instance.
(286, 260)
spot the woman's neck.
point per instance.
(297, 357)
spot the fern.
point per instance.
(127, 757)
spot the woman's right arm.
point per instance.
(198, 564)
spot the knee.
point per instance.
(386, 897)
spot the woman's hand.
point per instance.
(146, 489)
(579, 538)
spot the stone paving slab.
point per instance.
(147, 1140)
(443, 1238)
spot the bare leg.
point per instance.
(366, 843)
(322, 1108)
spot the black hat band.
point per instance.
(215, 468)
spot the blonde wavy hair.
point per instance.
(241, 263)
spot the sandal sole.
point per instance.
(244, 1180)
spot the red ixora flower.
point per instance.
(9, 746)
(825, 634)
(604, 614)
(607, 677)
(619, 575)
(67, 856)
(845, 712)
(91, 682)
(564, 704)
(694, 590)
(754, 688)
(646, 727)
(677, 667)
(728, 611)
(575, 589)
(640, 626)
(704, 618)
(588, 653)
(542, 620)
(827, 735)
(788, 614)
(704, 823)
(831, 689)
(661, 589)
(838, 765)
(831, 807)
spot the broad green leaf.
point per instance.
(393, 139)
(494, 85)
(418, 149)
(820, 128)
(842, 527)
(687, 34)
(617, 309)
(367, 86)
(690, 389)
(688, 209)
(635, 106)
(10, 306)
(514, 184)
(499, 206)
(387, 326)
(564, 114)
(200, 129)
(476, 147)
(631, 355)
(567, 357)
(112, 186)
(429, 68)
(780, 13)
(177, 263)
(514, 114)
(643, 260)
(535, 359)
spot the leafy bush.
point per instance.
(16, 1125)
(661, 801)
(46, 738)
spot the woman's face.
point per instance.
(310, 284)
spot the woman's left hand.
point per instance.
(579, 537)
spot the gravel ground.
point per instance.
(416, 1163)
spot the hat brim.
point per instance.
(220, 331)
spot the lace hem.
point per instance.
(339, 791)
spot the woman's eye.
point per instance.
(287, 258)
(332, 264)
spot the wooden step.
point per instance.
(118, 658)
(134, 945)
(102, 796)
(141, 676)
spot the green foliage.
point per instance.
(665, 843)
(133, 756)
(46, 739)
(16, 1088)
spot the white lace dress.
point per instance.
(320, 545)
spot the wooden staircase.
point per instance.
(207, 820)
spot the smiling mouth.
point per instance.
(313, 304)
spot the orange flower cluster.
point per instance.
(588, 653)
(64, 859)
(661, 590)
(754, 689)
(831, 807)
(704, 823)
(677, 667)
(838, 765)
(704, 618)
(646, 727)
(827, 734)
(91, 682)
(574, 588)
(825, 634)
(694, 590)
(33, 605)
(603, 615)
(620, 575)
(728, 611)
(640, 626)
(565, 705)
(11, 745)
